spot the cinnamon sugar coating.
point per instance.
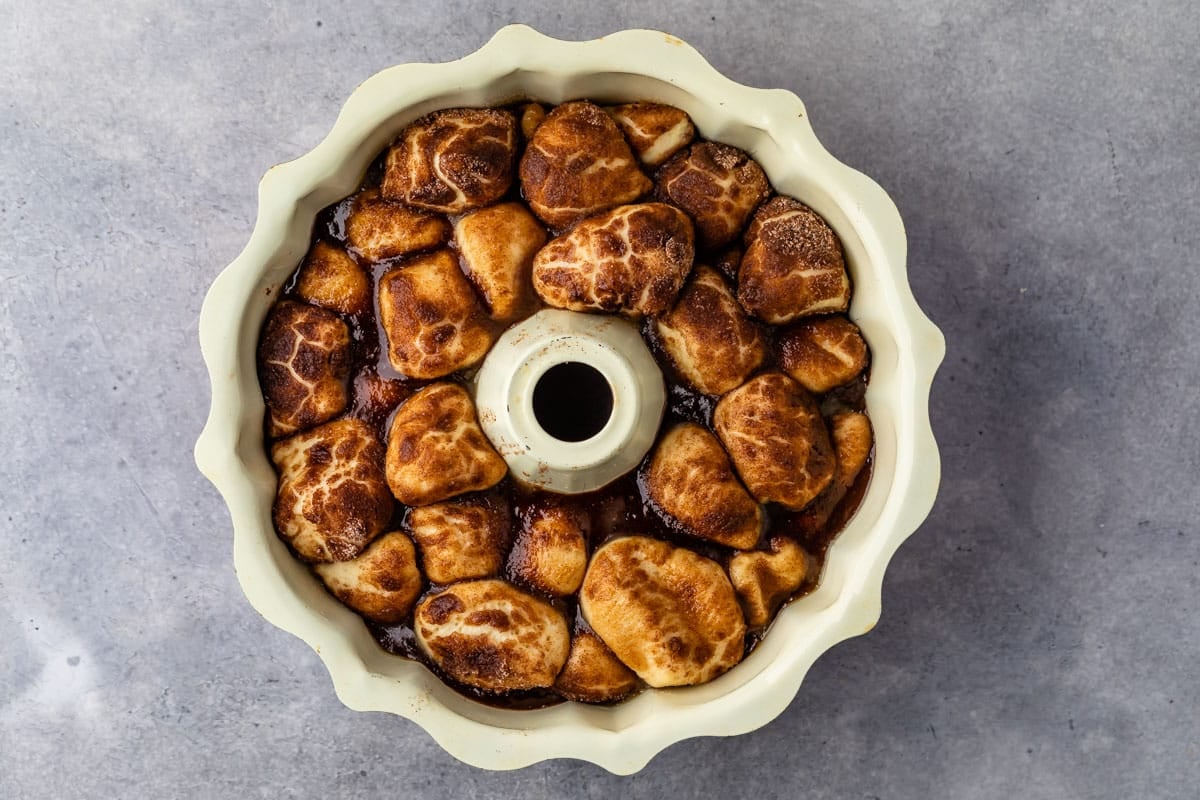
(333, 498)
(666, 612)
(707, 336)
(453, 160)
(432, 318)
(822, 352)
(655, 131)
(578, 163)
(764, 579)
(330, 278)
(717, 185)
(491, 635)
(378, 228)
(793, 266)
(303, 366)
(773, 431)
(550, 551)
(593, 674)
(691, 479)
(382, 583)
(436, 449)
(496, 246)
(631, 260)
(462, 538)
(853, 440)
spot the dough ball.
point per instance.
(333, 498)
(550, 552)
(669, 614)
(303, 366)
(822, 353)
(329, 278)
(593, 674)
(491, 635)
(718, 186)
(436, 449)
(578, 163)
(453, 160)
(691, 480)
(852, 442)
(461, 539)
(763, 580)
(377, 228)
(532, 115)
(793, 266)
(772, 429)
(655, 131)
(708, 338)
(632, 260)
(496, 246)
(434, 323)
(382, 584)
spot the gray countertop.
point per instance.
(1040, 634)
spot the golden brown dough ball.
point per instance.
(691, 480)
(823, 352)
(491, 635)
(329, 278)
(436, 449)
(532, 115)
(655, 131)
(666, 612)
(377, 228)
(382, 583)
(432, 319)
(461, 539)
(333, 498)
(773, 431)
(707, 336)
(718, 186)
(453, 160)
(793, 265)
(578, 163)
(303, 366)
(631, 260)
(550, 552)
(853, 440)
(496, 246)
(763, 580)
(593, 674)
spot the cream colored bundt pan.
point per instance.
(906, 350)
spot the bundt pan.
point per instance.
(906, 348)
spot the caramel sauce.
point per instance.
(623, 507)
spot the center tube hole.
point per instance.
(572, 401)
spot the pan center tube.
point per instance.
(571, 401)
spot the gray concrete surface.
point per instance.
(1040, 635)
